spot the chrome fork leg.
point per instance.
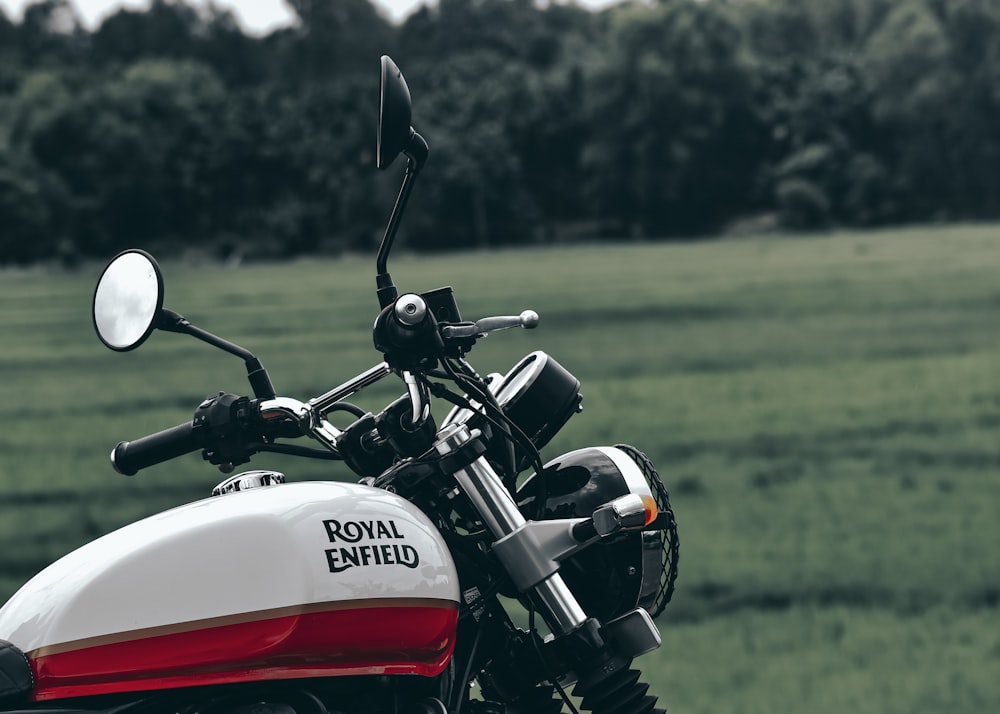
(486, 492)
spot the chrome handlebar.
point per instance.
(323, 403)
(310, 416)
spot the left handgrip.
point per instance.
(131, 456)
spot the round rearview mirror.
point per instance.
(394, 111)
(128, 299)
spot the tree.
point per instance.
(471, 192)
(177, 30)
(33, 227)
(333, 39)
(674, 142)
(50, 33)
(934, 69)
(132, 151)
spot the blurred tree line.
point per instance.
(173, 129)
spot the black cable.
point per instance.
(527, 443)
(292, 450)
(509, 475)
(480, 599)
(541, 657)
(347, 407)
(442, 392)
(487, 400)
(463, 682)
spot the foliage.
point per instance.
(170, 126)
(673, 138)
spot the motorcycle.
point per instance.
(459, 574)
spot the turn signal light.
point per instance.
(651, 510)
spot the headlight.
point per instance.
(630, 569)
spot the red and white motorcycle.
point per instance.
(391, 595)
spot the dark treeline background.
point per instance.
(174, 129)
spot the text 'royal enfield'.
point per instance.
(396, 594)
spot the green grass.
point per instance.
(832, 659)
(824, 409)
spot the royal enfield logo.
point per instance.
(374, 552)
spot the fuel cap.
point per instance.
(247, 480)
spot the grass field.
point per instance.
(825, 411)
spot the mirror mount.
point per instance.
(260, 382)
(128, 307)
(385, 288)
(395, 136)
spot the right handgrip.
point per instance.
(131, 456)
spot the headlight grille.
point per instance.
(666, 533)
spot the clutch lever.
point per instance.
(527, 319)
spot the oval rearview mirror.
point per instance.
(128, 300)
(394, 112)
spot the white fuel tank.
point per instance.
(294, 580)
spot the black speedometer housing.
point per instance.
(539, 395)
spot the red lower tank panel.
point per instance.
(392, 636)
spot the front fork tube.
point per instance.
(500, 514)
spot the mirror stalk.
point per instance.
(416, 155)
(260, 382)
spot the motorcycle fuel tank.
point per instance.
(295, 580)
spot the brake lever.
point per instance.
(527, 319)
